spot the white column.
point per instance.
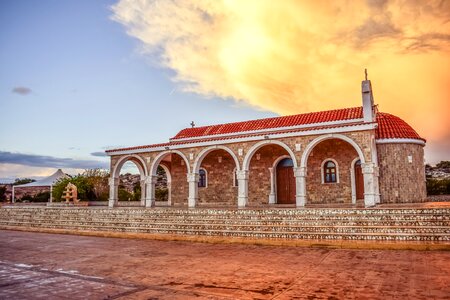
(300, 186)
(272, 187)
(13, 195)
(169, 193)
(149, 187)
(192, 179)
(371, 189)
(242, 177)
(113, 191)
(143, 192)
(51, 194)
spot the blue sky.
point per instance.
(81, 87)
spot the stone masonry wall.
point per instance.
(219, 190)
(179, 185)
(259, 175)
(401, 181)
(341, 192)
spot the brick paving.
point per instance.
(54, 266)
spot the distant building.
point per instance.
(38, 186)
(337, 156)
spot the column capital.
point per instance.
(370, 168)
(300, 172)
(113, 181)
(242, 175)
(150, 179)
(192, 177)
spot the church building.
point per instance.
(348, 156)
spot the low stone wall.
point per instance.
(438, 198)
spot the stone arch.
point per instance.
(206, 151)
(322, 138)
(169, 183)
(273, 179)
(115, 173)
(257, 146)
(157, 160)
(136, 159)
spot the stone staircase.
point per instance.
(376, 224)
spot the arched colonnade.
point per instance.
(242, 161)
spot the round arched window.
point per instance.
(330, 172)
(202, 178)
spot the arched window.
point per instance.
(330, 174)
(202, 180)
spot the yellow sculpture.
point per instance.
(71, 193)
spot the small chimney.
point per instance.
(367, 98)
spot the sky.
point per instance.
(79, 77)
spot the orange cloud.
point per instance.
(298, 56)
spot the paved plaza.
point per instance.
(54, 266)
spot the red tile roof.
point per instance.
(269, 123)
(389, 127)
(392, 127)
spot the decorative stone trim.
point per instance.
(322, 171)
(400, 141)
(349, 128)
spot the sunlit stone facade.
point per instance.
(346, 156)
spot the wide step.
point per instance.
(333, 224)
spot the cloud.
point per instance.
(21, 90)
(99, 154)
(48, 161)
(297, 56)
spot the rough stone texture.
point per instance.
(219, 189)
(179, 185)
(259, 176)
(343, 153)
(36, 266)
(400, 180)
(259, 183)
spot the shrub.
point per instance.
(42, 197)
(161, 194)
(124, 195)
(438, 186)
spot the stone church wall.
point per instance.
(179, 185)
(401, 180)
(259, 175)
(341, 192)
(219, 190)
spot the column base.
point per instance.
(149, 203)
(369, 200)
(300, 201)
(192, 202)
(112, 203)
(272, 199)
(242, 202)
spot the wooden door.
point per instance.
(285, 183)
(359, 181)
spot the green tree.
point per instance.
(23, 181)
(41, 197)
(438, 186)
(92, 185)
(445, 164)
(137, 191)
(124, 195)
(98, 179)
